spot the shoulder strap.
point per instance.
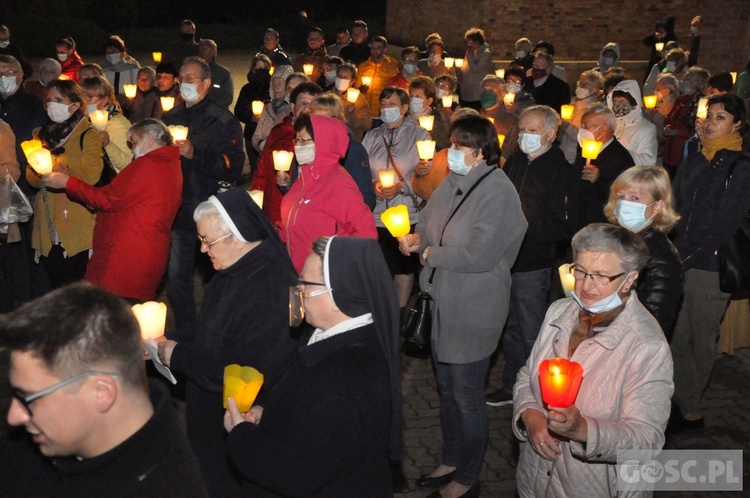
(391, 161)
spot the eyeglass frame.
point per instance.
(594, 276)
(208, 244)
(313, 293)
(302, 141)
(30, 398)
(12, 73)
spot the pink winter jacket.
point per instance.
(625, 398)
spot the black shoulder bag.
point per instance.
(734, 258)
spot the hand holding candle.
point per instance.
(387, 177)
(590, 150)
(396, 220)
(282, 160)
(242, 384)
(152, 317)
(560, 380)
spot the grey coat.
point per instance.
(471, 287)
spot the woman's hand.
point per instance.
(283, 179)
(540, 439)
(409, 243)
(165, 351)
(568, 422)
(105, 137)
(186, 148)
(390, 192)
(423, 168)
(378, 187)
(233, 417)
(56, 180)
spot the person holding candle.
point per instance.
(63, 228)
(139, 205)
(422, 102)
(167, 85)
(314, 55)
(120, 68)
(100, 97)
(493, 106)
(623, 401)
(327, 80)
(283, 83)
(324, 200)
(434, 65)
(711, 206)
(667, 91)
(477, 64)
(546, 88)
(378, 69)
(244, 319)
(69, 59)
(588, 88)
(632, 129)
(256, 89)
(146, 103)
(467, 252)
(514, 78)
(357, 113)
(640, 200)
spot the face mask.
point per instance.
(287, 98)
(632, 215)
(342, 85)
(607, 304)
(416, 106)
(62, 57)
(4, 44)
(520, 54)
(410, 68)
(434, 57)
(457, 163)
(488, 99)
(390, 115)
(621, 110)
(695, 30)
(585, 135)
(440, 93)
(582, 93)
(8, 85)
(687, 87)
(529, 143)
(538, 74)
(113, 58)
(513, 87)
(330, 75)
(671, 66)
(186, 37)
(189, 92)
(305, 154)
(92, 108)
(607, 62)
(58, 112)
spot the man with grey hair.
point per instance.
(9, 48)
(524, 57)
(598, 123)
(222, 86)
(548, 188)
(492, 92)
(546, 88)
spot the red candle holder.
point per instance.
(560, 379)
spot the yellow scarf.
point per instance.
(733, 141)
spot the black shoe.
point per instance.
(429, 482)
(679, 424)
(501, 397)
(472, 492)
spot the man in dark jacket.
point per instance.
(358, 49)
(212, 159)
(547, 186)
(546, 88)
(9, 48)
(598, 122)
(273, 50)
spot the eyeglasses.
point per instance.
(10, 73)
(191, 79)
(309, 295)
(303, 141)
(208, 244)
(26, 400)
(597, 278)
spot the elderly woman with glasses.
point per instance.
(623, 401)
(243, 320)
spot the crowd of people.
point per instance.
(146, 166)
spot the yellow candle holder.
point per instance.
(449, 62)
(156, 56)
(649, 101)
(352, 94)
(702, 111)
(152, 318)
(459, 62)
(590, 149)
(308, 69)
(566, 112)
(501, 140)
(448, 101)
(367, 80)
(30, 146)
(396, 220)
(509, 98)
(242, 384)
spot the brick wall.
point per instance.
(578, 29)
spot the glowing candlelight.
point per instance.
(449, 62)
(501, 140)
(99, 119)
(387, 177)
(448, 101)
(500, 73)
(560, 380)
(282, 160)
(566, 279)
(490, 119)
(459, 62)
(509, 98)
(396, 220)
(130, 90)
(566, 112)
(258, 106)
(242, 384)
(152, 317)
(156, 56)
(367, 80)
(734, 76)
(352, 94)
(649, 101)
(41, 160)
(308, 69)
(702, 110)
(178, 132)
(591, 149)
(427, 122)
(271, 70)
(426, 149)
(30, 146)
(257, 197)
(167, 103)
(659, 46)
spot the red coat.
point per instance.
(281, 138)
(682, 119)
(133, 223)
(70, 66)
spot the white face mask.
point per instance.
(440, 93)
(671, 66)
(330, 76)
(62, 57)
(342, 85)
(520, 54)
(513, 88)
(390, 115)
(632, 215)
(8, 85)
(4, 44)
(416, 106)
(113, 58)
(305, 154)
(606, 304)
(189, 92)
(529, 143)
(582, 93)
(58, 112)
(584, 135)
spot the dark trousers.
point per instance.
(63, 271)
(180, 287)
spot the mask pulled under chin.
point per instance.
(603, 305)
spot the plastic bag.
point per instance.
(14, 205)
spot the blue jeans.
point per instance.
(528, 305)
(463, 417)
(180, 287)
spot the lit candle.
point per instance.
(590, 149)
(258, 106)
(308, 69)
(560, 380)
(41, 160)
(271, 70)
(449, 62)
(367, 80)
(490, 119)
(702, 110)
(448, 101)
(509, 98)
(387, 177)
(167, 103)
(242, 384)
(567, 279)
(152, 317)
(30, 146)
(352, 94)
(282, 160)
(396, 220)
(501, 140)
(566, 112)
(426, 149)
(156, 56)
(178, 132)
(500, 73)
(99, 119)
(734, 76)
(427, 122)
(130, 90)
(659, 46)
(649, 101)
(459, 62)
(257, 197)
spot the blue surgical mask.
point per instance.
(603, 305)
(410, 68)
(416, 106)
(632, 215)
(529, 143)
(189, 92)
(330, 75)
(92, 108)
(457, 162)
(390, 115)
(113, 58)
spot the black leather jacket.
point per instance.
(660, 282)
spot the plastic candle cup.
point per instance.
(387, 177)
(590, 150)
(257, 106)
(560, 380)
(167, 103)
(459, 62)
(308, 69)
(449, 62)
(509, 98)
(352, 94)
(367, 80)
(427, 122)
(500, 73)
(567, 279)
(30, 146)
(426, 149)
(130, 90)
(99, 119)
(257, 197)
(242, 384)
(448, 101)
(156, 56)
(702, 110)
(396, 220)
(649, 101)
(566, 112)
(501, 140)
(734, 76)
(152, 317)
(659, 46)
(178, 132)
(41, 160)
(282, 160)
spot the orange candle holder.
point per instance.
(560, 380)
(242, 384)
(501, 140)
(396, 220)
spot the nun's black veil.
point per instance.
(357, 272)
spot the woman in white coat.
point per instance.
(633, 129)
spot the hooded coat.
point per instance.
(634, 131)
(324, 200)
(615, 47)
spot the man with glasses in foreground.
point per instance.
(80, 390)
